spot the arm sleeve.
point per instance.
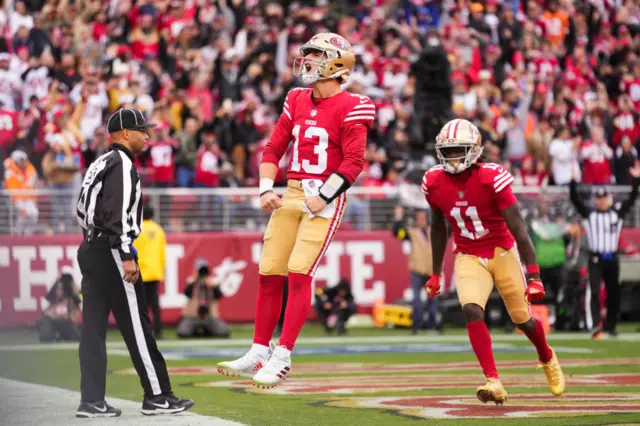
(354, 143)
(502, 188)
(117, 187)
(629, 202)
(281, 136)
(575, 199)
(163, 254)
(355, 126)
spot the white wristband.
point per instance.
(266, 184)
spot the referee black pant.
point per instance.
(607, 269)
(104, 291)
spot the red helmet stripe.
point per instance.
(455, 129)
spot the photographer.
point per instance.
(334, 306)
(60, 321)
(200, 316)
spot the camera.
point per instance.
(203, 272)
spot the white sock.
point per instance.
(260, 350)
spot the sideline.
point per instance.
(348, 340)
(26, 404)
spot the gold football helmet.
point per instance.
(458, 145)
(337, 59)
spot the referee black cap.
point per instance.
(601, 191)
(125, 118)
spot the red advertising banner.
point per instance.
(374, 262)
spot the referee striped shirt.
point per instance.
(109, 200)
(603, 226)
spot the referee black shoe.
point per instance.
(90, 410)
(165, 404)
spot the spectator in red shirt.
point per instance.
(208, 162)
(596, 158)
(159, 157)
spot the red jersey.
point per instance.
(161, 162)
(472, 203)
(543, 65)
(625, 123)
(207, 168)
(596, 163)
(329, 135)
(8, 126)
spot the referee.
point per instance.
(110, 212)
(603, 226)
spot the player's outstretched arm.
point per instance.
(439, 238)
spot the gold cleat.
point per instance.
(555, 378)
(492, 391)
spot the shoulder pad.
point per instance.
(494, 176)
(431, 177)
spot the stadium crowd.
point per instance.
(554, 85)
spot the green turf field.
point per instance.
(435, 379)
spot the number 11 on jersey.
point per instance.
(471, 213)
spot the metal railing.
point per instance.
(47, 211)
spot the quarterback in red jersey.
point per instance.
(328, 130)
(477, 200)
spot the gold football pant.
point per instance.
(475, 277)
(293, 242)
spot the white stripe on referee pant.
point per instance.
(141, 342)
(587, 307)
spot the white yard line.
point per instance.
(26, 404)
(347, 340)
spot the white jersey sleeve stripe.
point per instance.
(360, 112)
(504, 184)
(361, 117)
(500, 176)
(364, 107)
(501, 180)
(284, 110)
(424, 184)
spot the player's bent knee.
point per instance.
(269, 266)
(473, 312)
(520, 317)
(298, 264)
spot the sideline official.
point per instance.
(110, 212)
(603, 226)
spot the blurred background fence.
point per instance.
(48, 211)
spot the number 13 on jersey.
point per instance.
(320, 139)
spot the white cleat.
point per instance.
(246, 366)
(275, 370)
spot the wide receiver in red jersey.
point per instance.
(328, 128)
(477, 200)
